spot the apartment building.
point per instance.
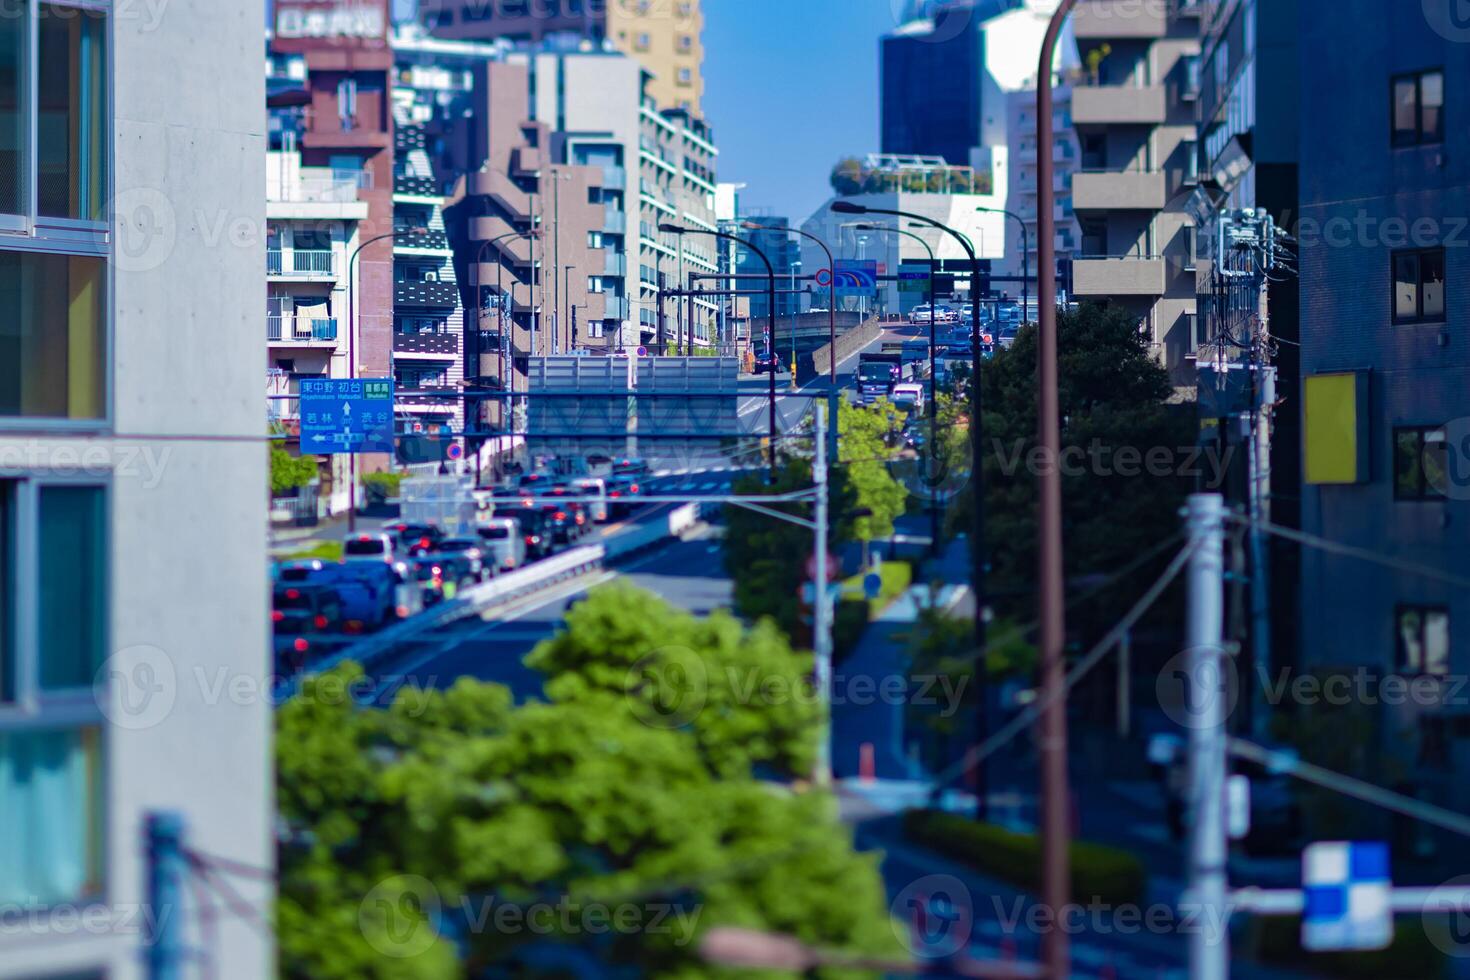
(132, 479)
(330, 78)
(1138, 165)
(1023, 199)
(662, 35)
(1384, 184)
(312, 216)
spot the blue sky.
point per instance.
(791, 86)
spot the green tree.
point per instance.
(410, 826)
(742, 692)
(290, 472)
(848, 177)
(1114, 405)
(865, 446)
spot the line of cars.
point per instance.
(407, 567)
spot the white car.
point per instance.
(594, 489)
(368, 547)
(501, 539)
(908, 397)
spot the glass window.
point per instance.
(1421, 464)
(1431, 107)
(72, 113)
(14, 44)
(1405, 112)
(1419, 286)
(52, 335)
(1423, 641)
(71, 585)
(51, 824)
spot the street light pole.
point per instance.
(1056, 803)
(831, 325)
(933, 370)
(977, 453)
(1025, 261)
(673, 229)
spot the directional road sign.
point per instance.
(856, 277)
(347, 415)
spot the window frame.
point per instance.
(33, 232)
(33, 709)
(1419, 136)
(1419, 317)
(1425, 493)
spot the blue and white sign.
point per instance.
(347, 415)
(1347, 896)
(872, 585)
(856, 277)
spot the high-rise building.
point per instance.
(134, 653)
(664, 36)
(1138, 162)
(1384, 184)
(934, 83)
(784, 251)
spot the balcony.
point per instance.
(616, 308)
(1101, 20)
(415, 186)
(615, 222)
(433, 294)
(1119, 105)
(614, 177)
(615, 264)
(301, 263)
(431, 344)
(525, 161)
(1123, 275)
(282, 329)
(504, 191)
(1119, 191)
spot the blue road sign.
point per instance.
(872, 585)
(856, 277)
(1348, 896)
(347, 415)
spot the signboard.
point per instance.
(856, 277)
(823, 277)
(347, 415)
(1347, 896)
(913, 279)
(341, 21)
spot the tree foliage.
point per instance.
(1113, 397)
(411, 829)
(865, 437)
(290, 472)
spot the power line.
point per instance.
(1363, 554)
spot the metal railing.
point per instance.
(314, 261)
(300, 328)
(273, 264)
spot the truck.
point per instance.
(878, 373)
(447, 502)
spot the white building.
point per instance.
(133, 634)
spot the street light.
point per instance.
(977, 454)
(352, 359)
(1025, 261)
(673, 229)
(1056, 806)
(933, 369)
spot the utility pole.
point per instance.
(1209, 946)
(163, 843)
(821, 608)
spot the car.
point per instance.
(769, 363)
(946, 314)
(559, 525)
(369, 547)
(594, 489)
(503, 543)
(622, 494)
(538, 542)
(921, 315)
(408, 535)
(630, 466)
(908, 398)
(299, 614)
(466, 549)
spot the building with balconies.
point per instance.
(1137, 136)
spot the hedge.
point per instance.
(1099, 873)
(1277, 940)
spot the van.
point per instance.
(908, 398)
(594, 489)
(502, 542)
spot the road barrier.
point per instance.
(848, 343)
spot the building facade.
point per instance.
(1137, 131)
(1385, 171)
(662, 35)
(784, 251)
(132, 480)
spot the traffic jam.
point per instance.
(449, 537)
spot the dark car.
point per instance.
(769, 363)
(414, 535)
(623, 492)
(298, 614)
(466, 550)
(533, 529)
(559, 524)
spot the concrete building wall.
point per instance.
(189, 342)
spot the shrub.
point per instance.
(1277, 939)
(380, 486)
(1099, 873)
